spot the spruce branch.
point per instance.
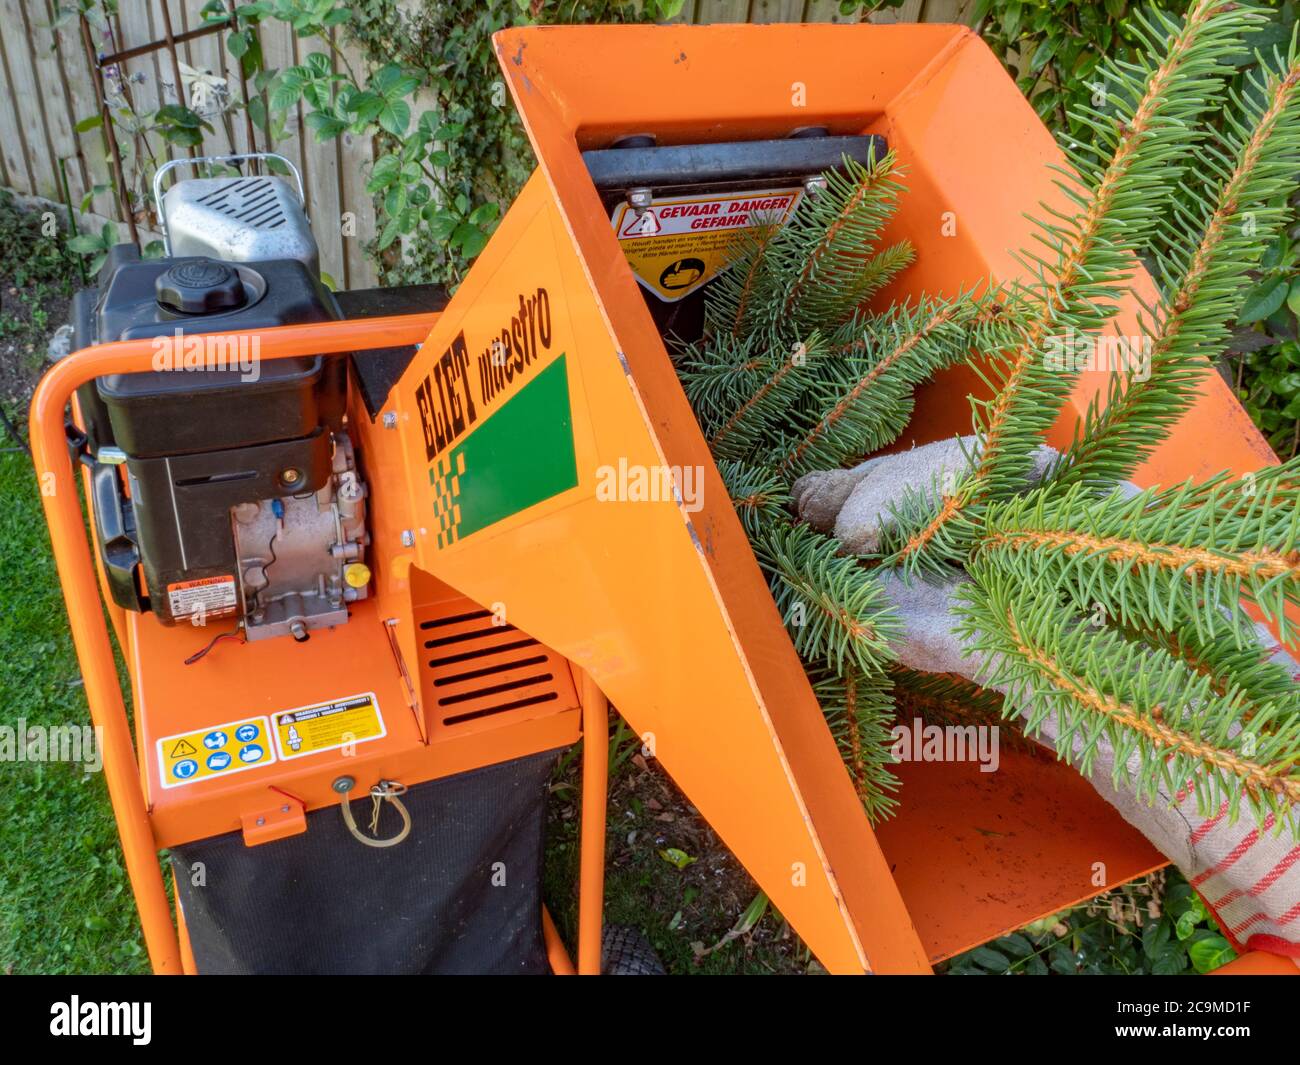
(782, 377)
(1205, 281)
(819, 255)
(1228, 659)
(760, 499)
(899, 351)
(815, 271)
(838, 615)
(1145, 145)
(1151, 707)
(730, 300)
(859, 712)
(948, 699)
(1160, 557)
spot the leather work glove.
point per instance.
(1249, 875)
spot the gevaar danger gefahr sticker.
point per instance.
(676, 245)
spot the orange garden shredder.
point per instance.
(397, 522)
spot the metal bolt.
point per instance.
(408, 537)
(640, 198)
(814, 185)
(390, 420)
(343, 785)
(290, 476)
(261, 821)
(284, 809)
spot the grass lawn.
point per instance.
(65, 905)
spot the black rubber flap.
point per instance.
(461, 894)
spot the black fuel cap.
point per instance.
(200, 286)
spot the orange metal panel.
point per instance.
(213, 808)
(976, 155)
(977, 855)
(665, 608)
(237, 681)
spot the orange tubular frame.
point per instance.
(76, 568)
(165, 940)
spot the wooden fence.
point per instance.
(47, 90)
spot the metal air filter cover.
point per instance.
(239, 219)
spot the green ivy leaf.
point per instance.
(318, 63)
(1016, 944)
(1042, 54)
(1265, 298)
(391, 82)
(365, 106)
(390, 233)
(1187, 922)
(441, 223)
(386, 170)
(83, 244)
(395, 200)
(1293, 297)
(1210, 953)
(287, 89)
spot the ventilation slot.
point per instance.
(545, 697)
(252, 201)
(479, 675)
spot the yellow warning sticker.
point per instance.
(327, 726)
(676, 245)
(216, 751)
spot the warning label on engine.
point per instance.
(215, 751)
(675, 246)
(207, 597)
(327, 726)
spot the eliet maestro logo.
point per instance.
(497, 425)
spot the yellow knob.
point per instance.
(357, 574)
